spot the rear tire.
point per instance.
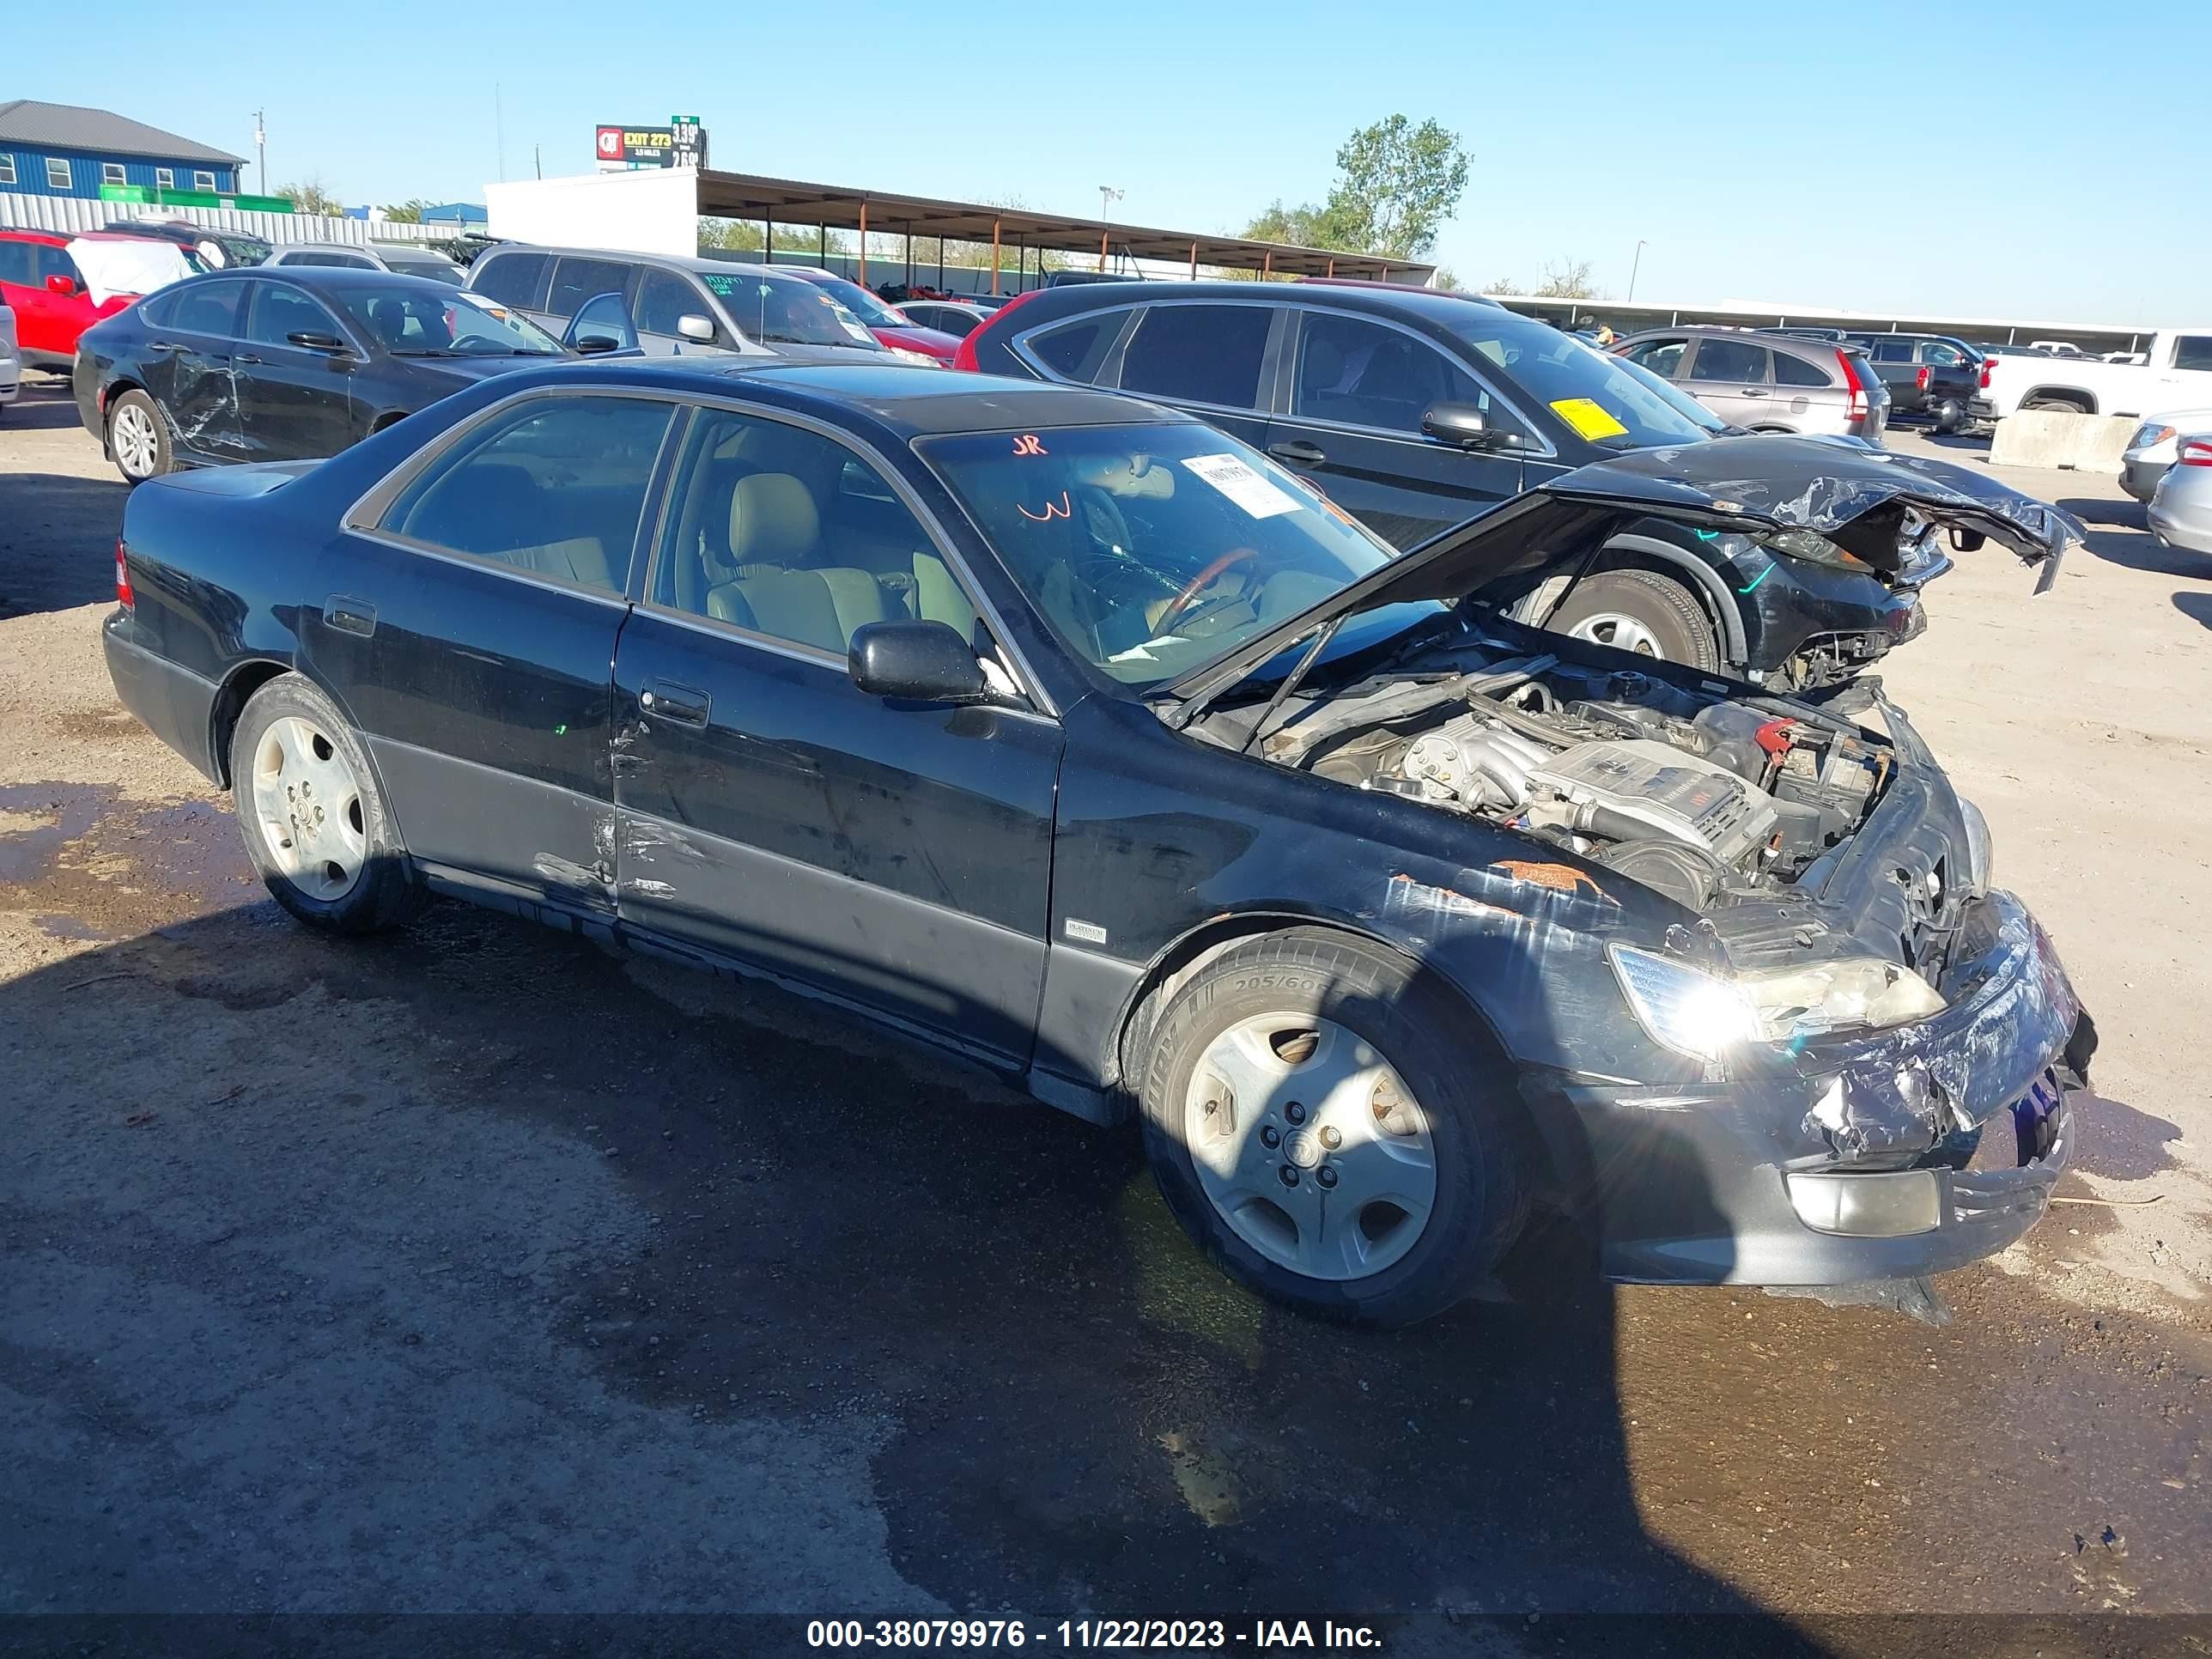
(138, 438)
(1644, 612)
(2061, 405)
(1324, 1128)
(313, 819)
(1950, 416)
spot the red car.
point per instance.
(60, 285)
(898, 333)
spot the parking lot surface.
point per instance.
(479, 1269)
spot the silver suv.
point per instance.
(1766, 384)
(664, 305)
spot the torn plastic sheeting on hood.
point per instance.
(1854, 493)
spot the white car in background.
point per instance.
(2181, 510)
(11, 362)
(2151, 451)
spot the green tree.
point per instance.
(1503, 285)
(744, 236)
(310, 197)
(409, 212)
(1569, 279)
(1396, 184)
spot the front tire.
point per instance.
(1643, 612)
(138, 439)
(1322, 1126)
(313, 819)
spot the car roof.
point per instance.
(335, 279)
(677, 261)
(910, 401)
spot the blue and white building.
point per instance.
(64, 150)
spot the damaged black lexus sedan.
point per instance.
(1061, 730)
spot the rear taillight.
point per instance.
(1856, 408)
(2196, 451)
(965, 356)
(124, 596)
(1988, 363)
(1922, 378)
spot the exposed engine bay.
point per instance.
(1705, 802)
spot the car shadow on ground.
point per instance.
(2197, 607)
(2119, 534)
(1070, 1407)
(44, 405)
(57, 540)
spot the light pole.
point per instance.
(1106, 196)
(1635, 265)
(261, 148)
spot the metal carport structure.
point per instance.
(788, 203)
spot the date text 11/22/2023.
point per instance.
(1110, 1634)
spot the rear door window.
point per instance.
(206, 308)
(1199, 353)
(1076, 351)
(555, 486)
(1790, 369)
(512, 279)
(1892, 351)
(15, 263)
(1738, 361)
(575, 280)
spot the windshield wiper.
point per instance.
(429, 351)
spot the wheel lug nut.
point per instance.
(1270, 1136)
(1325, 1176)
(1295, 1113)
(1289, 1176)
(1330, 1138)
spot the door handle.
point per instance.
(1754, 391)
(245, 357)
(350, 616)
(163, 345)
(681, 705)
(1296, 453)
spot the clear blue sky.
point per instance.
(2037, 158)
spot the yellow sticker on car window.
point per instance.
(1588, 418)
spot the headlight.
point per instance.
(1980, 855)
(921, 357)
(1815, 549)
(1704, 1014)
(2149, 432)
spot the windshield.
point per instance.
(1592, 392)
(411, 322)
(1153, 549)
(861, 303)
(786, 310)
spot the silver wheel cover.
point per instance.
(308, 804)
(1620, 631)
(1310, 1146)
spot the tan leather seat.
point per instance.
(578, 559)
(773, 521)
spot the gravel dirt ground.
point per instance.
(477, 1270)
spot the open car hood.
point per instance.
(1850, 493)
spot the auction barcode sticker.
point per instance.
(1234, 479)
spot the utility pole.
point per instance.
(1635, 265)
(261, 146)
(499, 128)
(1106, 196)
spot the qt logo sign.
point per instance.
(610, 143)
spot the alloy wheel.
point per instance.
(1619, 631)
(137, 445)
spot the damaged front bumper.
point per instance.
(1905, 1152)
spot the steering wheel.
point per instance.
(1198, 584)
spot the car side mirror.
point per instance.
(595, 345)
(696, 328)
(307, 340)
(63, 286)
(1967, 540)
(916, 662)
(1467, 427)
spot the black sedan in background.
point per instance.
(1417, 409)
(1071, 734)
(256, 366)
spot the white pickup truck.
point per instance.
(2178, 372)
